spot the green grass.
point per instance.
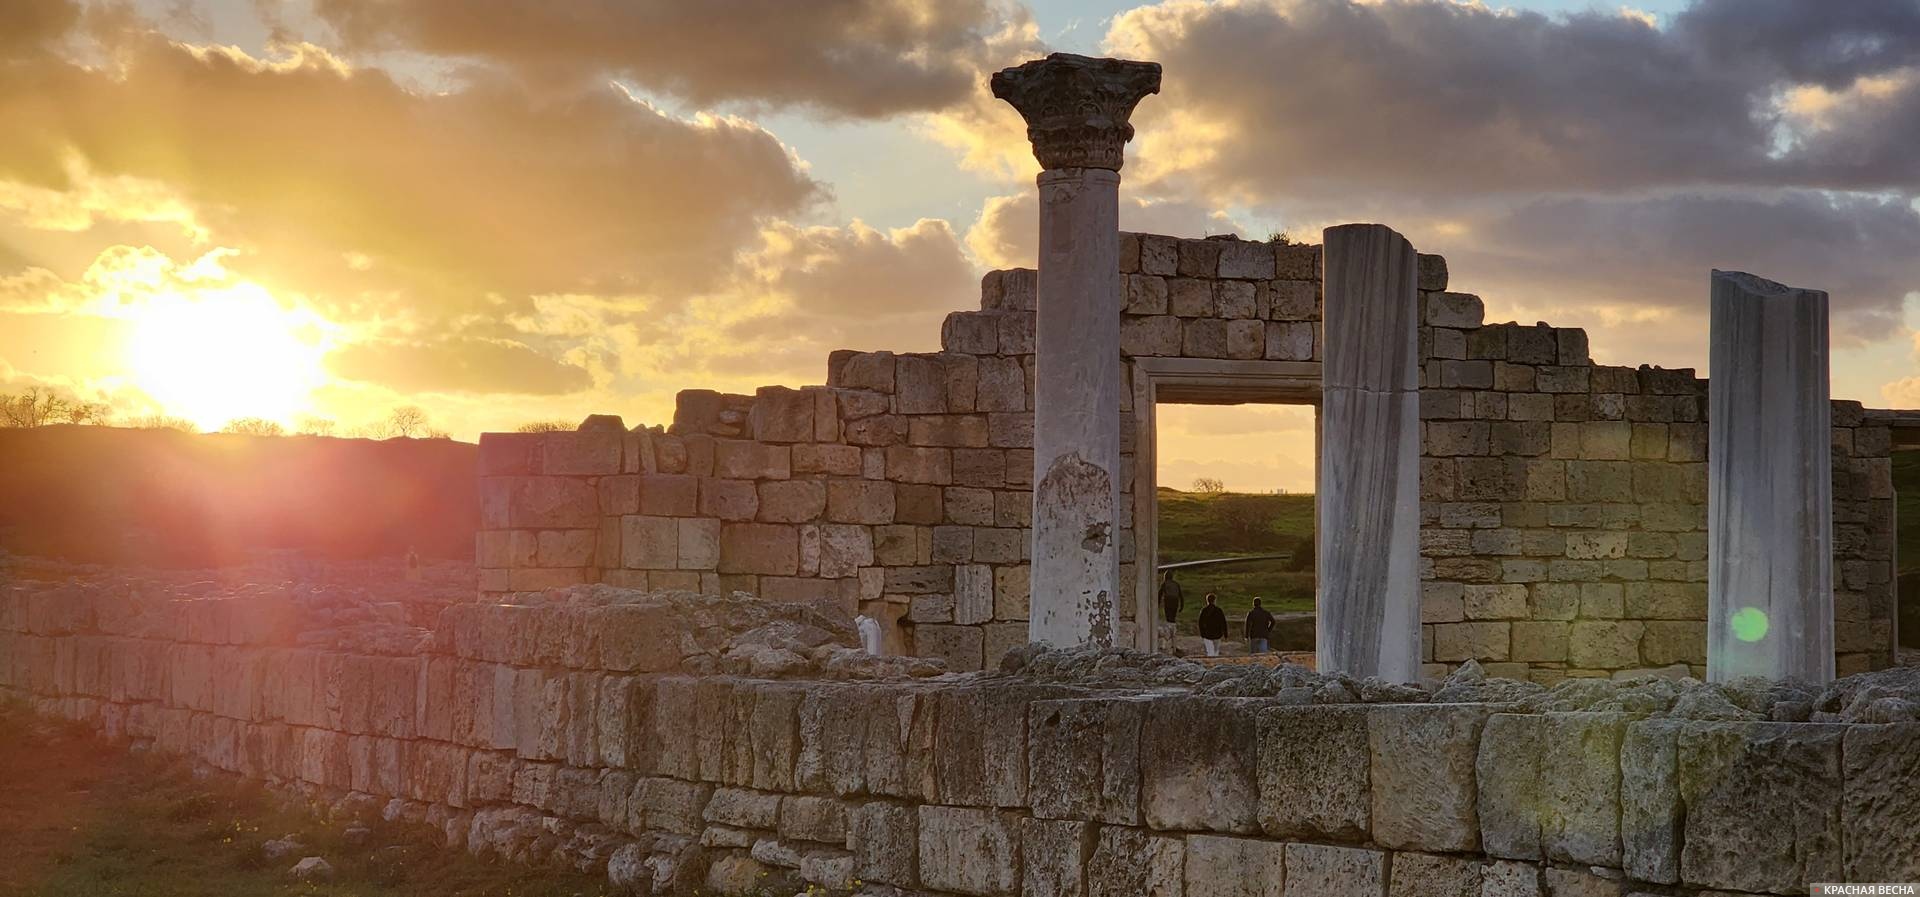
(1197, 526)
(140, 826)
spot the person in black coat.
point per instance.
(1213, 626)
(1259, 627)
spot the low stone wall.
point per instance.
(578, 731)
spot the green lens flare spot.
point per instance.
(1749, 624)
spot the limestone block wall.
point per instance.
(1564, 508)
(555, 733)
(1563, 502)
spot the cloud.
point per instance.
(1268, 98)
(460, 365)
(1007, 233)
(1651, 256)
(863, 58)
(341, 182)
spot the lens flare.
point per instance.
(1749, 624)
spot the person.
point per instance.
(1172, 602)
(1259, 628)
(1213, 626)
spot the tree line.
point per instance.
(40, 407)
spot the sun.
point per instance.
(221, 354)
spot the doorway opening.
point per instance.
(1226, 465)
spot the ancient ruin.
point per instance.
(1529, 565)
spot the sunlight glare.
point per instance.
(226, 353)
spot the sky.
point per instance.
(525, 211)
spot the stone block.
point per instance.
(1605, 644)
(1246, 260)
(967, 851)
(885, 842)
(781, 414)
(1129, 862)
(1153, 335)
(668, 495)
(860, 501)
(699, 547)
(1291, 341)
(818, 819)
(759, 548)
(959, 646)
(1650, 811)
(1422, 772)
(1084, 759)
(792, 501)
(1002, 385)
(1197, 765)
(1218, 866)
(1318, 870)
(981, 739)
(1880, 806)
(1431, 875)
(728, 499)
(1580, 787)
(650, 543)
(743, 459)
(1053, 857)
(1763, 805)
(1313, 773)
(1581, 883)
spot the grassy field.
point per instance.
(1196, 526)
(80, 816)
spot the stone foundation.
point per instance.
(599, 727)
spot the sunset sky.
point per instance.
(506, 212)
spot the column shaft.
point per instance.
(1369, 491)
(1075, 576)
(1769, 483)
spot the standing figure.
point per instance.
(1172, 602)
(1259, 628)
(1213, 626)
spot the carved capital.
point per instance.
(1077, 107)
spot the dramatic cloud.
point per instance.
(458, 365)
(342, 182)
(1430, 99)
(848, 57)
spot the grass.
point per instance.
(1197, 526)
(81, 816)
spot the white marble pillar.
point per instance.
(1369, 507)
(1076, 110)
(1769, 483)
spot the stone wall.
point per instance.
(574, 733)
(1563, 502)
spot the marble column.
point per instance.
(1076, 109)
(1769, 483)
(1369, 508)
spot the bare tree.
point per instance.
(36, 407)
(163, 422)
(314, 426)
(253, 426)
(544, 426)
(1208, 485)
(407, 421)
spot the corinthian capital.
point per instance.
(1077, 107)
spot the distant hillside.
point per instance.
(168, 498)
(1197, 526)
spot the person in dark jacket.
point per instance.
(1259, 627)
(1213, 626)
(1172, 602)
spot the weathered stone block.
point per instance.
(806, 818)
(1313, 764)
(1218, 866)
(1423, 775)
(1317, 870)
(761, 548)
(1197, 765)
(1129, 862)
(1430, 875)
(1053, 857)
(1084, 759)
(967, 851)
(885, 842)
(1650, 811)
(792, 501)
(1880, 808)
(1762, 805)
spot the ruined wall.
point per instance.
(1563, 502)
(570, 732)
(1564, 516)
